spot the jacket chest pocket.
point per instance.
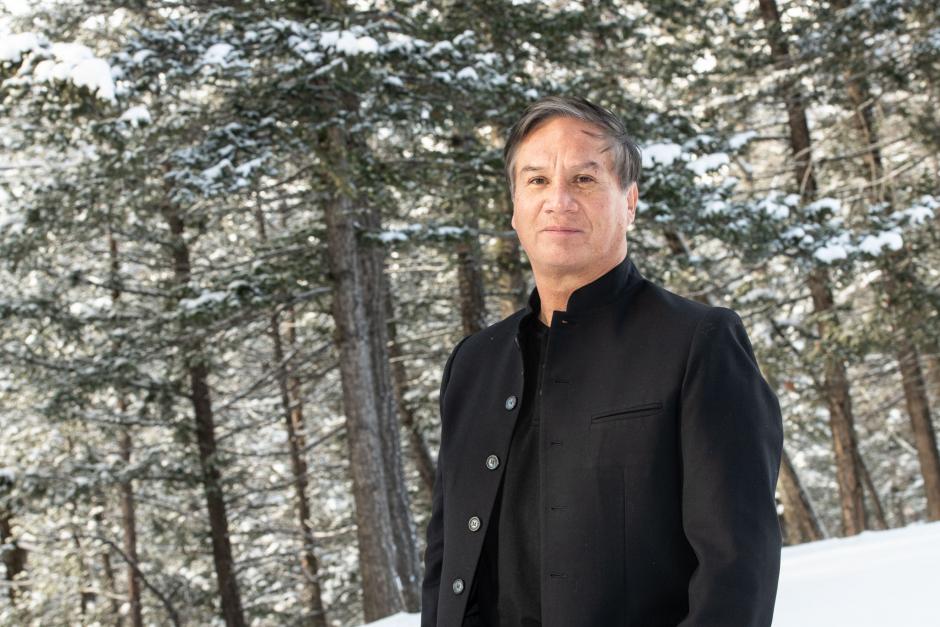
(618, 414)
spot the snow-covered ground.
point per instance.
(874, 579)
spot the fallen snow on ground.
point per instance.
(874, 579)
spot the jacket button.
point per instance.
(511, 401)
(458, 585)
(474, 523)
(492, 462)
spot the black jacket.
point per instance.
(659, 449)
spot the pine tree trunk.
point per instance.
(125, 447)
(838, 395)
(364, 427)
(198, 370)
(311, 601)
(129, 526)
(802, 523)
(420, 454)
(876, 510)
(375, 287)
(893, 266)
(470, 281)
(512, 276)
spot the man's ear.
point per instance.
(633, 196)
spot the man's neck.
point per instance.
(555, 289)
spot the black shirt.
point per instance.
(507, 592)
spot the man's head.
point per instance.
(572, 171)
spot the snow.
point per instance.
(468, 73)
(708, 162)
(736, 141)
(664, 153)
(77, 64)
(12, 47)
(831, 252)
(204, 299)
(873, 579)
(832, 204)
(216, 54)
(348, 43)
(137, 115)
(872, 244)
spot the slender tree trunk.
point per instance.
(802, 523)
(311, 599)
(841, 420)
(129, 525)
(876, 510)
(375, 286)
(125, 446)
(420, 453)
(894, 264)
(512, 275)
(364, 426)
(198, 370)
(108, 572)
(470, 281)
(838, 395)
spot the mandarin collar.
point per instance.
(599, 292)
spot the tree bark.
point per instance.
(125, 446)
(512, 279)
(893, 265)
(375, 287)
(837, 392)
(291, 405)
(378, 555)
(420, 454)
(198, 371)
(470, 281)
(802, 523)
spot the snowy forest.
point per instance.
(240, 239)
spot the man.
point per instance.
(608, 453)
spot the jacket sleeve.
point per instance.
(434, 551)
(731, 436)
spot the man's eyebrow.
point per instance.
(586, 165)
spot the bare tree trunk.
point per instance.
(311, 601)
(129, 525)
(802, 523)
(375, 287)
(125, 446)
(470, 281)
(364, 427)
(880, 521)
(838, 395)
(894, 265)
(841, 420)
(198, 370)
(420, 453)
(108, 572)
(512, 276)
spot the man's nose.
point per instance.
(560, 197)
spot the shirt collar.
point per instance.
(599, 292)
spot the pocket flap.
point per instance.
(632, 411)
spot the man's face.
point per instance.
(568, 209)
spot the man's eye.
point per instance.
(584, 178)
(538, 180)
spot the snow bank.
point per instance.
(874, 579)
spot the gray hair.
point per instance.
(626, 154)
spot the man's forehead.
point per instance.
(536, 165)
